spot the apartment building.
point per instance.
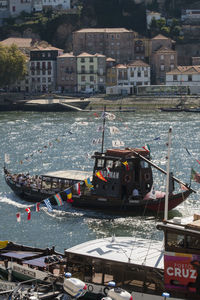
(162, 61)
(117, 43)
(138, 73)
(43, 68)
(91, 73)
(66, 73)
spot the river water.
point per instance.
(41, 142)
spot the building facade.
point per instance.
(185, 76)
(43, 69)
(66, 73)
(117, 43)
(91, 73)
(138, 73)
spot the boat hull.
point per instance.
(103, 203)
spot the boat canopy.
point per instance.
(69, 174)
(123, 250)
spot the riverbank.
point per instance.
(97, 102)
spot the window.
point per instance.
(49, 65)
(83, 69)
(82, 78)
(91, 78)
(144, 164)
(43, 65)
(49, 54)
(145, 73)
(100, 163)
(162, 57)
(189, 77)
(91, 59)
(49, 79)
(172, 57)
(132, 73)
(91, 69)
(82, 60)
(43, 79)
(33, 72)
(175, 240)
(172, 66)
(38, 79)
(175, 77)
(139, 74)
(43, 72)
(162, 67)
(49, 72)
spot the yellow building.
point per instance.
(91, 72)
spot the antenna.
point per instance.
(167, 179)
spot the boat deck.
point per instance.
(69, 174)
(123, 249)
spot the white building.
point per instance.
(17, 6)
(150, 15)
(185, 76)
(138, 73)
(190, 15)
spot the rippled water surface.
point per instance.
(43, 142)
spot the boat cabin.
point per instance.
(182, 257)
(124, 170)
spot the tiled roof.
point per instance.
(185, 70)
(165, 50)
(160, 37)
(66, 55)
(138, 63)
(85, 54)
(106, 30)
(110, 59)
(121, 66)
(19, 42)
(39, 48)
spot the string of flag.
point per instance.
(58, 199)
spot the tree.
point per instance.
(12, 65)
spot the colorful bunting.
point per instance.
(48, 205)
(195, 176)
(78, 188)
(18, 215)
(37, 206)
(29, 213)
(69, 195)
(125, 163)
(100, 176)
(117, 143)
(147, 148)
(114, 130)
(88, 183)
(58, 199)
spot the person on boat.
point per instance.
(135, 192)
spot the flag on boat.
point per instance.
(117, 143)
(108, 116)
(125, 163)
(3, 244)
(58, 199)
(69, 195)
(114, 130)
(29, 213)
(7, 158)
(18, 215)
(198, 161)
(146, 148)
(195, 176)
(37, 206)
(88, 183)
(48, 205)
(77, 187)
(108, 172)
(100, 176)
(184, 187)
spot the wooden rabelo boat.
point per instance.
(123, 170)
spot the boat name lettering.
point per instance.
(113, 175)
(99, 251)
(182, 272)
(24, 271)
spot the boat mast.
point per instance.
(167, 179)
(103, 129)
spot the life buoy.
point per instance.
(106, 289)
(90, 288)
(146, 176)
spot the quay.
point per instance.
(10, 101)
